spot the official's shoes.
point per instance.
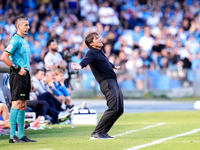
(96, 136)
(25, 139)
(15, 139)
(108, 136)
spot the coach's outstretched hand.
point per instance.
(76, 66)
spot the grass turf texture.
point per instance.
(77, 138)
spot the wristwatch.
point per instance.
(17, 68)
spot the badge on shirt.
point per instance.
(12, 41)
(9, 47)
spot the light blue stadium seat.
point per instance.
(127, 85)
(163, 82)
(190, 75)
(87, 81)
(152, 77)
(175, 84)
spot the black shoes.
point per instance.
(70, 107)
(95, 136)
(15, 139)
(108, 136)
(25, 139)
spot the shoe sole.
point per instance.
(66, 116)
(46, 122)
(16, 142)
(92, 138)
(64, 119)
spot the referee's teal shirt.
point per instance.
(19, 51)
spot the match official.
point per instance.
(17, 57)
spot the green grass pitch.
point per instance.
(68, 137)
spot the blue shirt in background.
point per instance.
(58, 89)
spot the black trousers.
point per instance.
(115, 103)
(42, 108)
(51, 100)
(20, 86)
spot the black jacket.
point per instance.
(99, 64)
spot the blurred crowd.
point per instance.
(137, 34)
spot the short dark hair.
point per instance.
(89, 39)
(18, 18)
(38, 70)
(50, 41)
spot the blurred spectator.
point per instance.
(194, 8)
(193, 45)
(36, 50)
(43, 91)
(83, 3)
(42, 12)
(53, 59)
(10, 27)
(137, 34)
(135, 61)
(153, 20)
(196, 62)
(185, 57)
(136, 6)
(146, 59)
(135, 21)
(127, 49)
(49, 81)
(146, 42)
(106, 14)
(173, 29)
(122, 25)
(38, 83)
(58, 87)
(59, 29)
(118, 43)
(91, 10)
(2, 21)
(156, 53)
(76, 39)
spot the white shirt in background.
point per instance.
(146, 44)
(108, 12)
(52, 59)
(92, 17)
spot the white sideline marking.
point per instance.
(164, 139)
(147, 127)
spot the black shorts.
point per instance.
(20, 86)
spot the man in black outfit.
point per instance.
(106, 77)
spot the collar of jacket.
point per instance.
(96, 50)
